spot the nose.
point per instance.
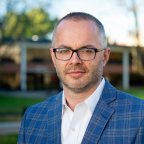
(75, 59)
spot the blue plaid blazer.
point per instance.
(117, 119)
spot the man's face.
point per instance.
(75, 74)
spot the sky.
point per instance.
(116, 18)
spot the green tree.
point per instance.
(24, 25)
(22, 21)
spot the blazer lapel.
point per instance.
(54, 121)
(101, 116)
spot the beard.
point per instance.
(90, 79)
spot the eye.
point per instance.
(63, 51)
(87, 50)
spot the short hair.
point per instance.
(77, 16)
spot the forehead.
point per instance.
(74, 24)
(76, 32)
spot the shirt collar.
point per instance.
(92, 100)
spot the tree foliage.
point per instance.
(19, 25)
(25, 25)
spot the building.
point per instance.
(28, 66)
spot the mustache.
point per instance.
(75, 68)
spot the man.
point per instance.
(89, 110)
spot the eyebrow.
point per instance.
(85, 46)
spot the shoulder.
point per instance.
(130, 100)
(122, 101)
(36, 119)
(128, 106)
(112, 92)
(44, 106)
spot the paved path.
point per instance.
(9, 128)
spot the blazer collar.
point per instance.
(54, 120)
(99, 119)
(101, 115)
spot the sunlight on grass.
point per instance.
(136, 91)
(8, 139)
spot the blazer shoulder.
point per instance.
(129, 98)
(130, 104)
(45, 105)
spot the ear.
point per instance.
(106, 55)
(52, 56)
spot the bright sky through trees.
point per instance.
(117, 19)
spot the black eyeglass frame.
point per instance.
(95, 49)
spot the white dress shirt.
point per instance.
(74, 123)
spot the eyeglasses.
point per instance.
(85, 54)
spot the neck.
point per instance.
(73, 97)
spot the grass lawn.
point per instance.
(8, 139)
(136, 91)
(12, 108)
(17, 101)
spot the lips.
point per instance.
(76, 73)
